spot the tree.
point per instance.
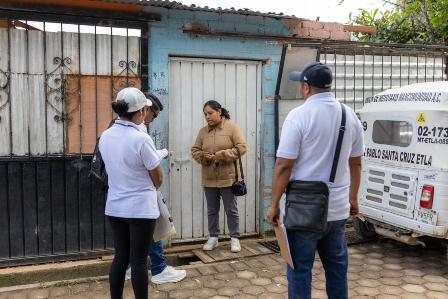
(409, 21)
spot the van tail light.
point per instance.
(427, 197)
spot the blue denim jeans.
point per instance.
(332, 248)
(158, 261)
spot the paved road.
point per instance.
(382, 269)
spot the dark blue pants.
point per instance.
(332, 248)
(158, 261)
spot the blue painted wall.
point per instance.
(166, 38)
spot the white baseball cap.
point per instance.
(148, 103)
(135, 99)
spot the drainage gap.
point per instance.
(182, 259)
(271, 245)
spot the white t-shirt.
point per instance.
(128, 155)
(309, 135)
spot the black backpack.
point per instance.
(97, 167)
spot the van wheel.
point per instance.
(364, 229)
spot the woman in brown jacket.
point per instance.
(217, 147)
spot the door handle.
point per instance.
(181, 161)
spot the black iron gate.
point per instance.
(50, 209)
(58, 76)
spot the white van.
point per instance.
(404, 185)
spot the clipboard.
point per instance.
(282, 239)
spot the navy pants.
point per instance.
(158, 260)
(332, 248)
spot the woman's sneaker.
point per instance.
(169, 274)
(211, 244)
(235, 245)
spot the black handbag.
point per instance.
(306, 207)
(239, 187)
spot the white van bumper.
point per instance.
(403, 222)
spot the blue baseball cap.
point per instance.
(315, 74)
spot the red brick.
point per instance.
(293, 24)
(302, 32)
(295, 28)
(312, 25)
(340, 35)
(323, 34)
(333, 26)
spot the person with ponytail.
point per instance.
(218, 145)
(134, 174)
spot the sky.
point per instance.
(326, 10)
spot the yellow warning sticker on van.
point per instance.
(421, 119)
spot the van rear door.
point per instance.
(389, 188)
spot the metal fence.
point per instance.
(58, 77)
(57, 82)
(360, 70)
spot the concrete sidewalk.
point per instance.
(382, 269)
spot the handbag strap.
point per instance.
(241, 166)
(338, 145)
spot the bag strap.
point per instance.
(338, 145)
(111, 123)
(241, 166)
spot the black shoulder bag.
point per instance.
(306, 206)
(239, 187)
(97, 167)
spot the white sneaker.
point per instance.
(211, 244)
(235, 245)
(128, 274)
(169, 274)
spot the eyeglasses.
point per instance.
(154, 112)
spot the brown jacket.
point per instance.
(221, 141)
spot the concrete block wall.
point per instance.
(167, 39)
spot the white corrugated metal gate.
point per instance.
(359, 75)
(362, 70)
(237, 86)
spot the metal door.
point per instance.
(237, 86)
(57, 81)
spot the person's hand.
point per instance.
(163, 153)
(273, 215)
(354, 206)
(209, 157)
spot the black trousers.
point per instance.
(132, 238)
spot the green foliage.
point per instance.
(407, 22)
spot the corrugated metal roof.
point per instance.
(177, 5)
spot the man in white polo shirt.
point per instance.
(306, 153)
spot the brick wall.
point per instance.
(317, 30)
